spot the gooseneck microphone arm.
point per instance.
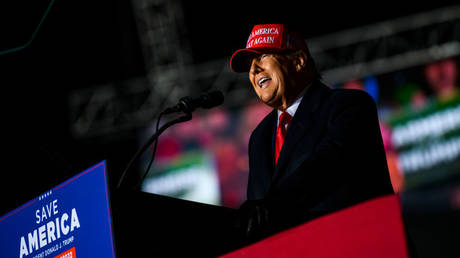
(153, 138)
(186, 105)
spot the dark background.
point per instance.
(86, 43)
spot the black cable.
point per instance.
(153, 153)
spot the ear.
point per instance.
(300, 60)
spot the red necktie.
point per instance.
(281, 130)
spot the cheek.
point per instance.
(255, 87)
(278, 81)
(251, 80)
(259, 92)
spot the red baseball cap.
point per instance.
(266, 38)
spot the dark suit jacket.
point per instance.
(332, 157)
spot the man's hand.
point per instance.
(254, 219)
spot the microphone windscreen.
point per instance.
(212, 99)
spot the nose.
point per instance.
(255, 66)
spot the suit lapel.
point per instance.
(298, 131)
(264, 159)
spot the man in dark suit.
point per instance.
(318, 151)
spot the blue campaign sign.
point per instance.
(70, 220)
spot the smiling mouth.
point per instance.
(263, 82)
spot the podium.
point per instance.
(81, 218)
(150, 225)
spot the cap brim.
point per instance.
(241, 59)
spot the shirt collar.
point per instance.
(293, 107)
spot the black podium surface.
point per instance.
(150, 225)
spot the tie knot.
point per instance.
(285, 119)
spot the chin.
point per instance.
(273, 103)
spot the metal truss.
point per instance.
(351, 54)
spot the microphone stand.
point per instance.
(153, 138)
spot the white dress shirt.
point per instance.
(293, 108)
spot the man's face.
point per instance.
(271, 78)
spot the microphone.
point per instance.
(188, 104)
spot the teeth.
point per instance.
(262, 80)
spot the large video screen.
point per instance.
(420, 120)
